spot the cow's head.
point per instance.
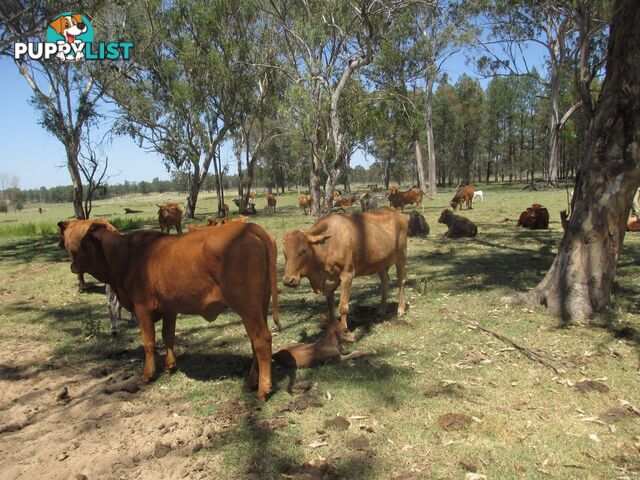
(62, 226)
(394, 190)
(299, 255)
(90, 257)
(445, 216)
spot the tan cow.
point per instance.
(70, 234)
(304, 202)
(338, 248)
(399, 199)
(201, 273)
(463, 195)
(169, 216)
(271, 203)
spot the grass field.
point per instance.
(519, 419)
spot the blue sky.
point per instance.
(38, 159)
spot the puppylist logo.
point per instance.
(70, 38)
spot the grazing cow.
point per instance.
(201, 273)
(418, 226)
(370, 201)
(479, 194)
(535, 217)
(271, 203)
(458, 226)
(169, 216)
(324, 350)
(304, 202)
(463, 195)
(338, 248)
(70, 233)
(40, 210)
(115, 309)
(399, 199)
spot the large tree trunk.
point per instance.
(76, 181)
(554, 131)
(194, 191)
(581, 277)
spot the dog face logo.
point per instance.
(73, 29)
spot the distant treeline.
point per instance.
(179, 182)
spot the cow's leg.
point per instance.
(400, 272)
(148, 333)
(331, 306)
(384, 279)
(260, 372)
(168, 337)
(345, 293)
(81, 282)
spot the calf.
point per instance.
(271, 203)
(115, 309)
(633, 226)
(203, 273)
(535, 217)
(399, 199)
(458, 226)
(324, 350)
(70, 234)
(304, 202)
(463, 195)
(338, 248)
(170, 216)
(418, 226)
(479, 194)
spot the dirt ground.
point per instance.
(106, 426)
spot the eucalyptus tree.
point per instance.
(569, 31)
(190, 88)
(325, 44)
(581, 278)
(65, 94)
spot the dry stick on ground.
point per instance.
(528, 351)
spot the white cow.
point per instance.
(115, 309)
(478, 193)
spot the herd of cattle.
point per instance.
(220, 265)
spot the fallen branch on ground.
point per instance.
(533, 354)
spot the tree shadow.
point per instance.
(32, 249)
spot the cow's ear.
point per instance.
(63, 225)
(317, 239)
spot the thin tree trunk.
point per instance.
(76, 181)
(420, 163)
(431, 152)
(194, 191)
(554, 131)
(581, 277)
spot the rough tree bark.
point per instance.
(419, 162)
(581, 277)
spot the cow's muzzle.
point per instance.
(291, 281)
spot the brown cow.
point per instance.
(399, 199)
(326, 349)
(338, 248)
(271, 203)
(70, 233)
(535, 217)
(201, 273)
(458, 226)
(169, 216)
(304, 201)
(463, 195)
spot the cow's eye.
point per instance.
(302, 252)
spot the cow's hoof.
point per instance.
(170, 368)
(347, 337)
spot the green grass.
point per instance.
(528, 421)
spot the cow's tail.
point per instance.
(273, 277)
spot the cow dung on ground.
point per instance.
(586, 386)
(454, 421)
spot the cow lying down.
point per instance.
(458, 226)
(158, 276)
(324, 350)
